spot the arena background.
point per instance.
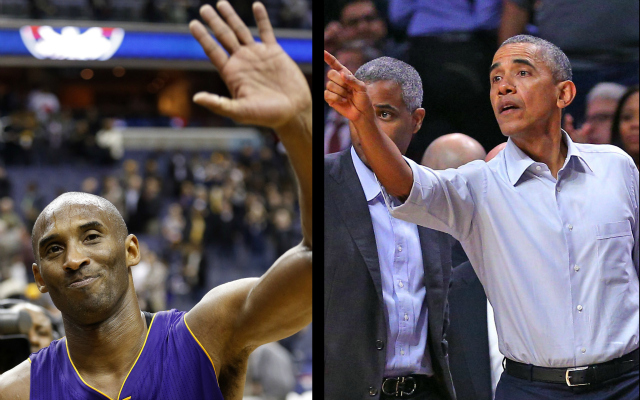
(95, 96)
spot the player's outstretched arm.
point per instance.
(268, 89)
(348, 96)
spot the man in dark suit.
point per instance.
(386, 282)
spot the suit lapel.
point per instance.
(354, 211)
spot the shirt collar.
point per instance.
(518, 162)
(367, 177)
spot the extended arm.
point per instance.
(348, 96)
(267, 89)
(513, 21)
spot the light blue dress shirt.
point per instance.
(429, 17)
(558, 259)
(403, 290)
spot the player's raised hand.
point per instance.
(267, 87)
(346, 94)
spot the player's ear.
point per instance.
(132, 249)
(39, 281)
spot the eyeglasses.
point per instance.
(353, 22)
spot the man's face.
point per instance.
(394, 118)
(83, 262)
(523, 93)
(600, 115)
(361, 22)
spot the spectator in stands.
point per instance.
(602, 101)
(149, 207)
(41, 332)
(360, 20)
(90, 185)
(112, 191)
(5, 183)
(131, 199)
(600, 38)
(44, 103)
(283, 233)
(31, 205)
(625, 123)
(270, 373)
(451, 45)
(149, 279)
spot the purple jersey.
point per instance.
(172, 365)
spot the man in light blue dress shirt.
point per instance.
(386, 280)
(550, 227)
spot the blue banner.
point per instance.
(72, 43)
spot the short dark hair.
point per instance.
(391, 69)
(556, 60)
(615, 124)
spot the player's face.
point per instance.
(83, 262)
(394, 118)
(523, 92)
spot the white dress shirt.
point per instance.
(495, 357)
(558, 258)
(403, 290)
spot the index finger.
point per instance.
(334, 63)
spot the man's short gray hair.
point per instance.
(606, 90)
(556, 60)
(391, 69)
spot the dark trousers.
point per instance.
(624, 387)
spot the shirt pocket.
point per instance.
(615, 245)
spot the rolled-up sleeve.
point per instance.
(441, 200)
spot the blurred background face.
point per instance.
(41, 332)
(600, 115)
(629, 125)
(361, 22)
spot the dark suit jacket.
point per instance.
(467, 335)
(354, 318)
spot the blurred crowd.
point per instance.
(295, 14)
(451, 45)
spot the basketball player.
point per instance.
(83, 259)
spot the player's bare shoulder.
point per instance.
(14, 384)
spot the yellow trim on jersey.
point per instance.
(66, 343)
(29, 360)
(125, 379)
(184, 317)
(134, 363)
